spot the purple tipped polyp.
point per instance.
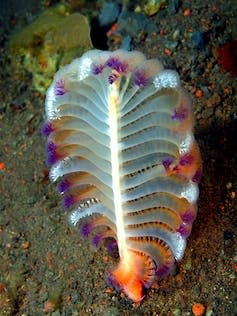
(112, 247)
(63, 186)
(51, 158)
(186, 160)
(97, 69)
(51, 147)
(188, 217)
(112, 282)
(197, 176)
(86, 229)
(116, 64)
(47, 129)
(97, 240)
(140, 79)
(68, 201)
(51, 154)
(162, 271)
(184, 230)
(167, 162)
(180, 114)
(59, 88)
(112, 78)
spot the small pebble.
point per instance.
(198, 93)
(25, 245)
(198, 309)
(186, 12)
(167, 52)
(228, 185)
(176, 34)
(49, 307)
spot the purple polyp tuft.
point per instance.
(68, 201)
(86, 229)
(96, 240)
(52, 156)
(184, 230)
(186, 160)
(47, 129)
(112, 247)
(51, 147)
(116, 64)
(97, 69)
(197, 176)
(140, 79)
(112, 78)
(188, 217)
(63, 186)
(113, 283)
(167, 162)
(59, 88)
(162, 271)
(180, 113)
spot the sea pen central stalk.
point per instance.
(114, 104)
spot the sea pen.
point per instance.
(120, 141)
